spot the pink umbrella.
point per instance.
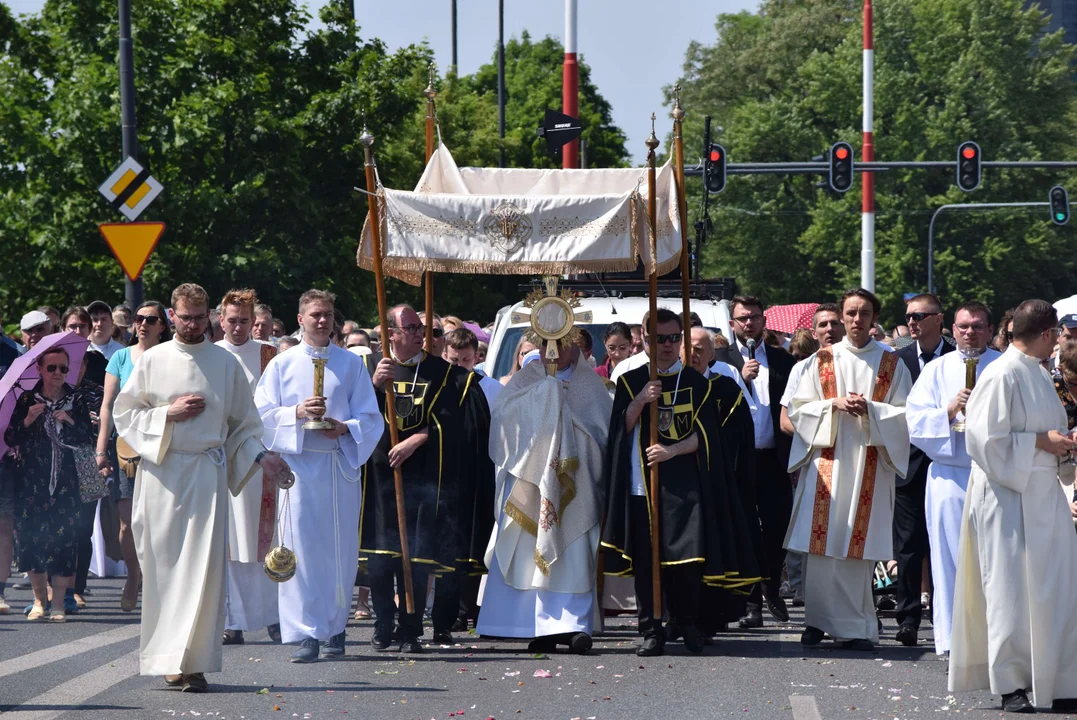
(23, 374)
(788, 318)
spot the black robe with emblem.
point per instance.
(474, 474)
(696, 522)
(427, 396)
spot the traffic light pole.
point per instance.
(132, 288)
(961, 206)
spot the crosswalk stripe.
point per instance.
(804, 707)
(75, 692)
(68, 649)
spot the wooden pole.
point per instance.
(682, 213)
(652, 331)
(367, 141)
(428, 277)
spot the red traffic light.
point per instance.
(841, 153)
(716, 155)
(968, 152)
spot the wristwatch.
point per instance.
(259, 456)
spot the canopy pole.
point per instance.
(428, 277)
(367, 141)
(682, 213)
(652, 330)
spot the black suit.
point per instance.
(910, 520)
(774, 491)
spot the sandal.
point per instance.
(128, 604)
(58, 617)
(37, 612)
(362, 612)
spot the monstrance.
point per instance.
(553, 317)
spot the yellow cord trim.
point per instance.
(514, 512)
(541, 563)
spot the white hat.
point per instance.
(33, 319)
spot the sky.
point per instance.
(634, 47)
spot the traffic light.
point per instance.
(714, 169)
(1060, 205)
(968, 166)
(841, 167)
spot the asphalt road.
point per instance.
(88, 668)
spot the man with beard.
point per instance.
(548, 440)
(430, 426)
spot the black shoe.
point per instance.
(1017, 702)
(333, 647)
(233, 637)
(460, 626)
(811, 636)
(778, 609)
(442, 637)
(907, 634)
(1066, 705)
(651, 646)
(274, 633)
(544, 644)
(693, 640)
(194, 683)
(411, 645)
(579, 643)
(382, 639)
(858, 644)
(885, 602)
(754, 619)
(307, 652)
(673, 632)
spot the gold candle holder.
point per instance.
(319, 358)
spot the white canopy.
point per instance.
(524, 222)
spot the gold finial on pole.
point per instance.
(430, 93)
(678, 112)
(652, 141)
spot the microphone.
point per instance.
(751, 348)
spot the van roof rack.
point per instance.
(601, 286)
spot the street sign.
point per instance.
(132, 243)
(130, 189)
(559, 130)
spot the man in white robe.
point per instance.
(250, 601)
(548, 440)
(935, 405)
(851, 440)
(324, 503)
(1014, 621)
(187, 410)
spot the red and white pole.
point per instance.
(867, 218)
(570, 84)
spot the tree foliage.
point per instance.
(251, 122)
(785, 83)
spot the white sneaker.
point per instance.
(925, 600)
(4, 607)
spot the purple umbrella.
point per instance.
(480, 334)
(23, 374)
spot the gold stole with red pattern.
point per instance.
(267, 516)
(824, 482)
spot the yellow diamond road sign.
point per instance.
(130, 189)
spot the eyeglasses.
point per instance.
(978, 328)
(919, 316)
(672, 338)
(1008, 335)
(437, 332)
(189, 319)
(53, 368)
(410, 329)
(745, 319)
(1055, 331)
(617, 348)
(150, 320)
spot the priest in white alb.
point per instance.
(320, 522)
(851, 441)
(188, 412)
(1015, 628)
(548, 441)
(935, 410)
(250, 601)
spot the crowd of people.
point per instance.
(813, 468)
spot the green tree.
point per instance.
(784, 84)
(251, 122)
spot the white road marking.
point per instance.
(75, 692)
(804, 707)
(67, 649)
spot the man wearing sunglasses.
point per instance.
(1014, 625)
(911, 546)
(765, 372)
(438, 334)
(702, 535)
